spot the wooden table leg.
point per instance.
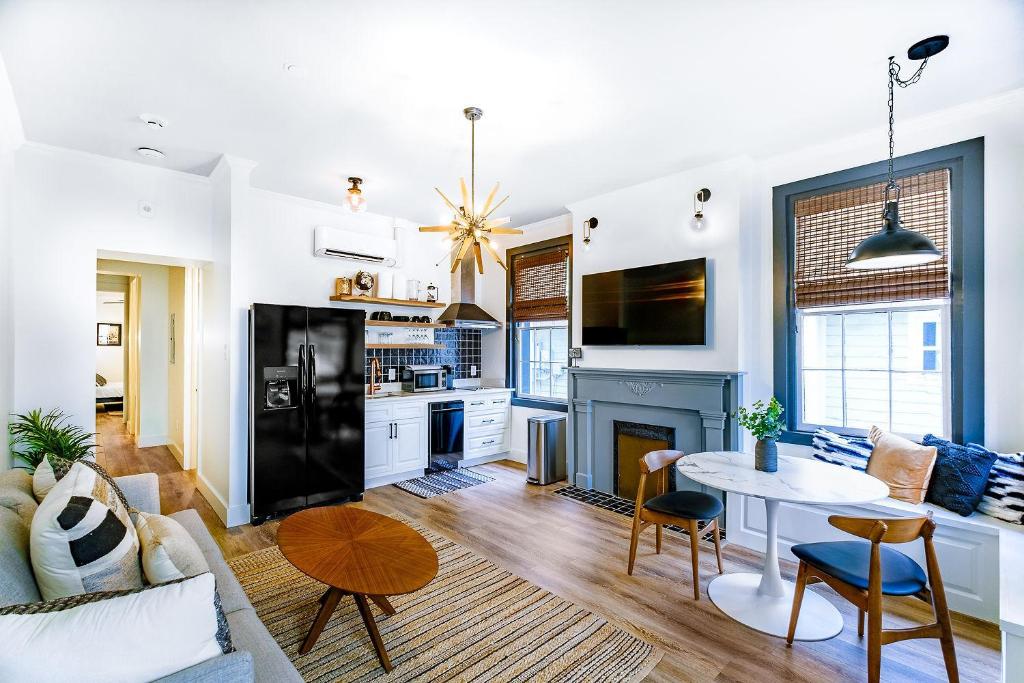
(323, 597)
(383, 603)
(371, 626)
(328, 603)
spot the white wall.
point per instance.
(68, 208)
(176, 371)
(110, 359)
(11, 137)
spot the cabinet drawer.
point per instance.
(486, 443)
(404, 411)
(376, 413)
(485, 420)
(487, 404)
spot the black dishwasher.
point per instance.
(446, 430)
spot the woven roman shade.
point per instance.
(829, 226)
(540, 286)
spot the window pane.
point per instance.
(542, 353)
(914, 340)
(867, 399)
(917, 403)
(822, 397)
(866, 341)
(821, 341)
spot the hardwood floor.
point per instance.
(579, 552)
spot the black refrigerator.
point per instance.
(306, 400)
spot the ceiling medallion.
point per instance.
(470, 228)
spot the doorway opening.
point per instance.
(146, 365)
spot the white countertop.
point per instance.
(446, 395)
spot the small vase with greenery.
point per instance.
(37, 435)
(766, 424)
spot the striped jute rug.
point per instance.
(474, 622)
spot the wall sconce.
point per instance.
(588, 227)
(354, 200)
(699, 197)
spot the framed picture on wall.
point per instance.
(108, 334)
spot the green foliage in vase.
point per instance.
(36, 435)
(763, 421)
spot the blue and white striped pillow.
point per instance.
(841, 450)
(1004, 493)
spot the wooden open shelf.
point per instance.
(405, 346)
(392, 323)
(350, 299)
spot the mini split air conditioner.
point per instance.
(355, 246)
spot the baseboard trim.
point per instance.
(215, 500)
(151, 440)
(518, 455)
(175, 450)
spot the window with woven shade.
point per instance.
(541, 285)
(538, 340)
(830, 225)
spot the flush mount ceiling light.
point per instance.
(153, 121)
(894, 246)
(470, 228)
(699, 197)
(588, 227)
(150, 153)
(354, 200)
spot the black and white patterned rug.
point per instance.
(442, 480)
(624, 507)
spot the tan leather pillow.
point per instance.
(902, 464)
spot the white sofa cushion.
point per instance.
(168, 551)
(145, 634)
(82, 538)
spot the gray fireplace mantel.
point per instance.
(699, 405)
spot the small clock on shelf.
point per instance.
(363, 281)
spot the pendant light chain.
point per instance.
(894, 79)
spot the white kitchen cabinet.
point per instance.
(395, 442)
(409, 445)
(377, 449)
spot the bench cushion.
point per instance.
(686, 504)
(849, 561)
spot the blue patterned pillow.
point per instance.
(841, 450)
(1004, 494)
(960, 475)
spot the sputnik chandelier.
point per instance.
(470, 228)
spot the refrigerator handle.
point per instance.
(312, 371)
(302, 374)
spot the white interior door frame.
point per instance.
(133, 323)
(191, 343)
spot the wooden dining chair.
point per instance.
(681, 508)
(862, 572)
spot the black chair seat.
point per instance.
(686, 504)
(849, 561)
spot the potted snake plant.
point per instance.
(766, 424)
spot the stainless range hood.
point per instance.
(463, 311)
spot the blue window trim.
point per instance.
(966, 161)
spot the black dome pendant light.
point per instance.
(894, 246)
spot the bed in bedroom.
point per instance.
(109, 395)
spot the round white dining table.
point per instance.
(764, 601)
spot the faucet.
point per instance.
(375, 372)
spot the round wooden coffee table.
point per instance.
(359, 553)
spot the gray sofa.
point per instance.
(257, 656)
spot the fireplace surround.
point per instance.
(697, 407)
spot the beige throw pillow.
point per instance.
(168, 551)
(902, 464)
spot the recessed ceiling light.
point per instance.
(150, 153)
(153, 121)
(296, 70)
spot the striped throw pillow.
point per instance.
(83, 539)
(841, 450)
(1004, 493)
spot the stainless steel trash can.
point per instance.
(545, 459)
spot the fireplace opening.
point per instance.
(632, 440)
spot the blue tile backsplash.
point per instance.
(461, 350)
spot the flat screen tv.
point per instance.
(662, 305)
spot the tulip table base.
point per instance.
(737, 595)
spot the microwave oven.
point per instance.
(417, 378)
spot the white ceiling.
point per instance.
(580, 96)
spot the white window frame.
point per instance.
(518, 364)
(943, 343)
